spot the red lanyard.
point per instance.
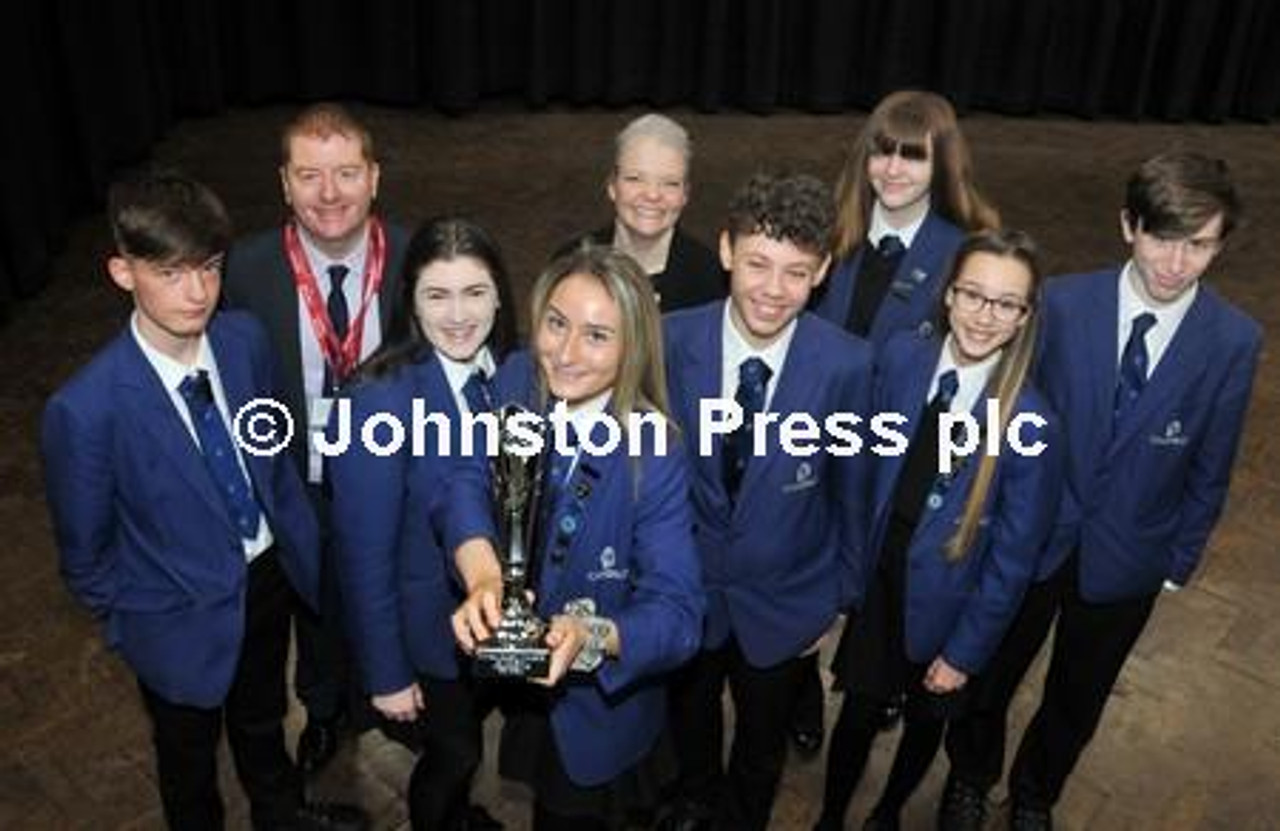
(343, 356)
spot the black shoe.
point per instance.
(686, 816)
(1027, 817)
(478, 819)
(807, 742)
(317, 744)
(881, 822)
(963, 806)
(329, 816)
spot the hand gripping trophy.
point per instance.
(516, 649)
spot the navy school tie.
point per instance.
(339, 319)
(753, 382)
(478, 392)
(1133, 365)
(219, 454)
(890, 248)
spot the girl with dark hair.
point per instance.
(950, 554)
(452, 326)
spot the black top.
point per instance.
(693, 275)
(874, 275)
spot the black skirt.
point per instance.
(529, 754)
(871, 659)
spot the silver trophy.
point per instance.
(516, 649)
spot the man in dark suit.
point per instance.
(324, 285)
(1151, 372)
(187, 548)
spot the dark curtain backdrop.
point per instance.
(93, 85)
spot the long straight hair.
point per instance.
(642, 380)
(1011, 371)
(910, 116)
(441, 238)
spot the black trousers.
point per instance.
(186, 738)
(811, 701)
(763, 701)
(1091, 644)
(322, 676)
(925, 716)
(976, 740)
(451, 735)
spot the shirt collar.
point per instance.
(1168, 315)
(737, 350)
(320, 261)
(457, 372)
(881, 228)
(173, 372)
(972, 378)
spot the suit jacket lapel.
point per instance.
(701, 378)
(152, 410)
(236, 374)
(585, 496)
(1182, 362)
(911, 277)
(286, 305)
(1097, 333)
(908, 396)
(793, 392)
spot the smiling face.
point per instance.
(769, 285)
(1167, 267)
(579, 340)
(901, 173)
(330, 185)
(455, 302)
(987, 304)
(649, 187)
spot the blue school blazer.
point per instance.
(145, 540)
(961, 610)
(1140, 504)
(912, 299)
(633, 554)
(386, 513)
(784, 559)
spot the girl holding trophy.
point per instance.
(612, 567)
(451, 327)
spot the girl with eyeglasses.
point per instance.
(950, 554)
(904, 201)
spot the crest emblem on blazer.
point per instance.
(904, 287)
(805, 479)
(608, 566)
(1172, 435)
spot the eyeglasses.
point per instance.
(909, 151)
(1003, 309)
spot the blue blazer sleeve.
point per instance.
(1210, 471)
(1028, 490)
(369, 502)
(80, 486)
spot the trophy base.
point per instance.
(508, 660)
